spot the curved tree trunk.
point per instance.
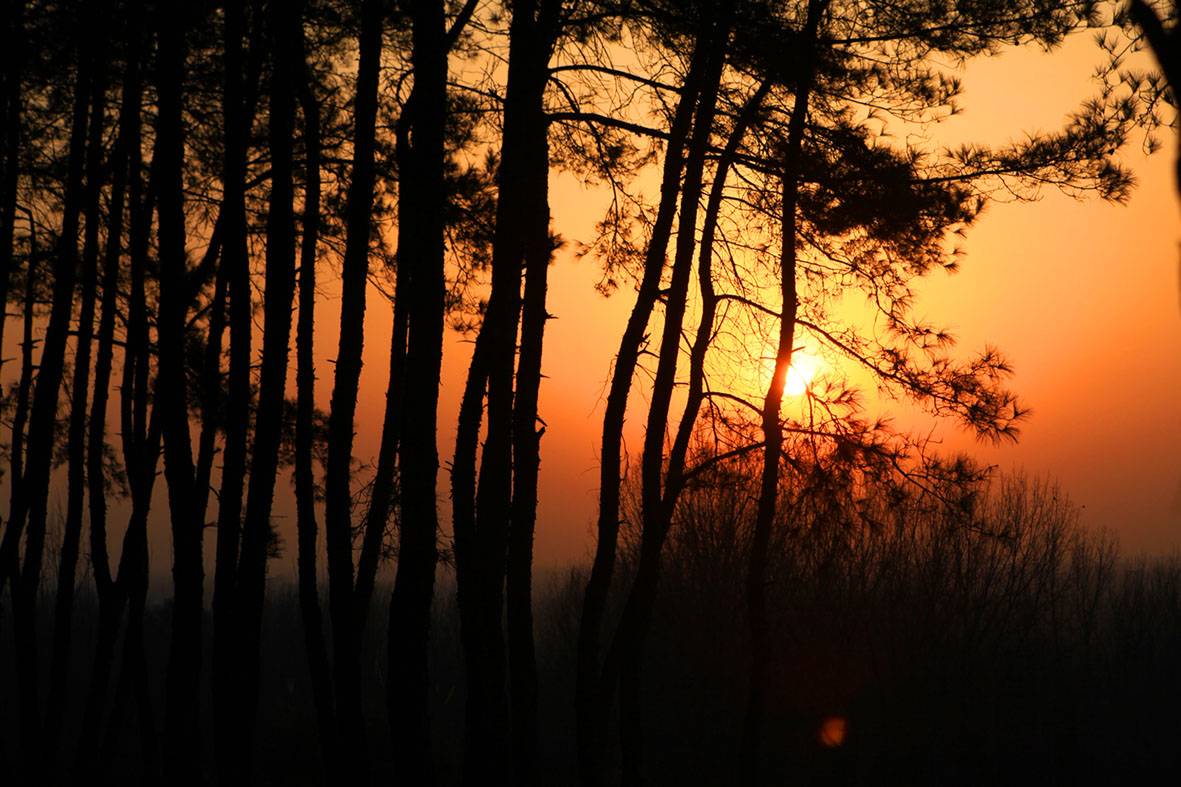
(772, 428)
(592, 709)
(624, 658)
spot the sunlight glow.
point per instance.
(799, 375)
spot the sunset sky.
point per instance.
(1081, 296)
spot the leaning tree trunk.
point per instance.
(592, 710)
(632, 633)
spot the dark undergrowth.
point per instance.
(920, 645)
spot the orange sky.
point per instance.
(1082, 297)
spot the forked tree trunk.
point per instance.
(623, 657)
(482, 530)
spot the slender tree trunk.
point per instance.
(305, 483)
(211, 404)
(625, 654)
(338, 509)
(109, 599)
(538, 250)
(112, 595)
(235, 266)
(772, 428)
(182, 730)
(482, 531)
(76, 435)
(280, 289)
(653, 504)
(592, 708)
(141, 436)
(381, 496)
(31, 502)
(421, 262)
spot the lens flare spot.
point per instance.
(832, 731)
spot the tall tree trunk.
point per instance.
(141, 436)
(420, 269)
(538, 250)
(382, 492)
(182, 730)
(756, 578)
(595, 693)
(76, 435)
(338, 509)
(592, 706)
(239, 97)
(305, 380)
(482, 531)
(31, 502)
(655, 519)
(284, 20)
(109, 598)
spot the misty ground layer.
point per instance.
(956, 657)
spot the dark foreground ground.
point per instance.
(950, 656)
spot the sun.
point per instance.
(799, 375)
